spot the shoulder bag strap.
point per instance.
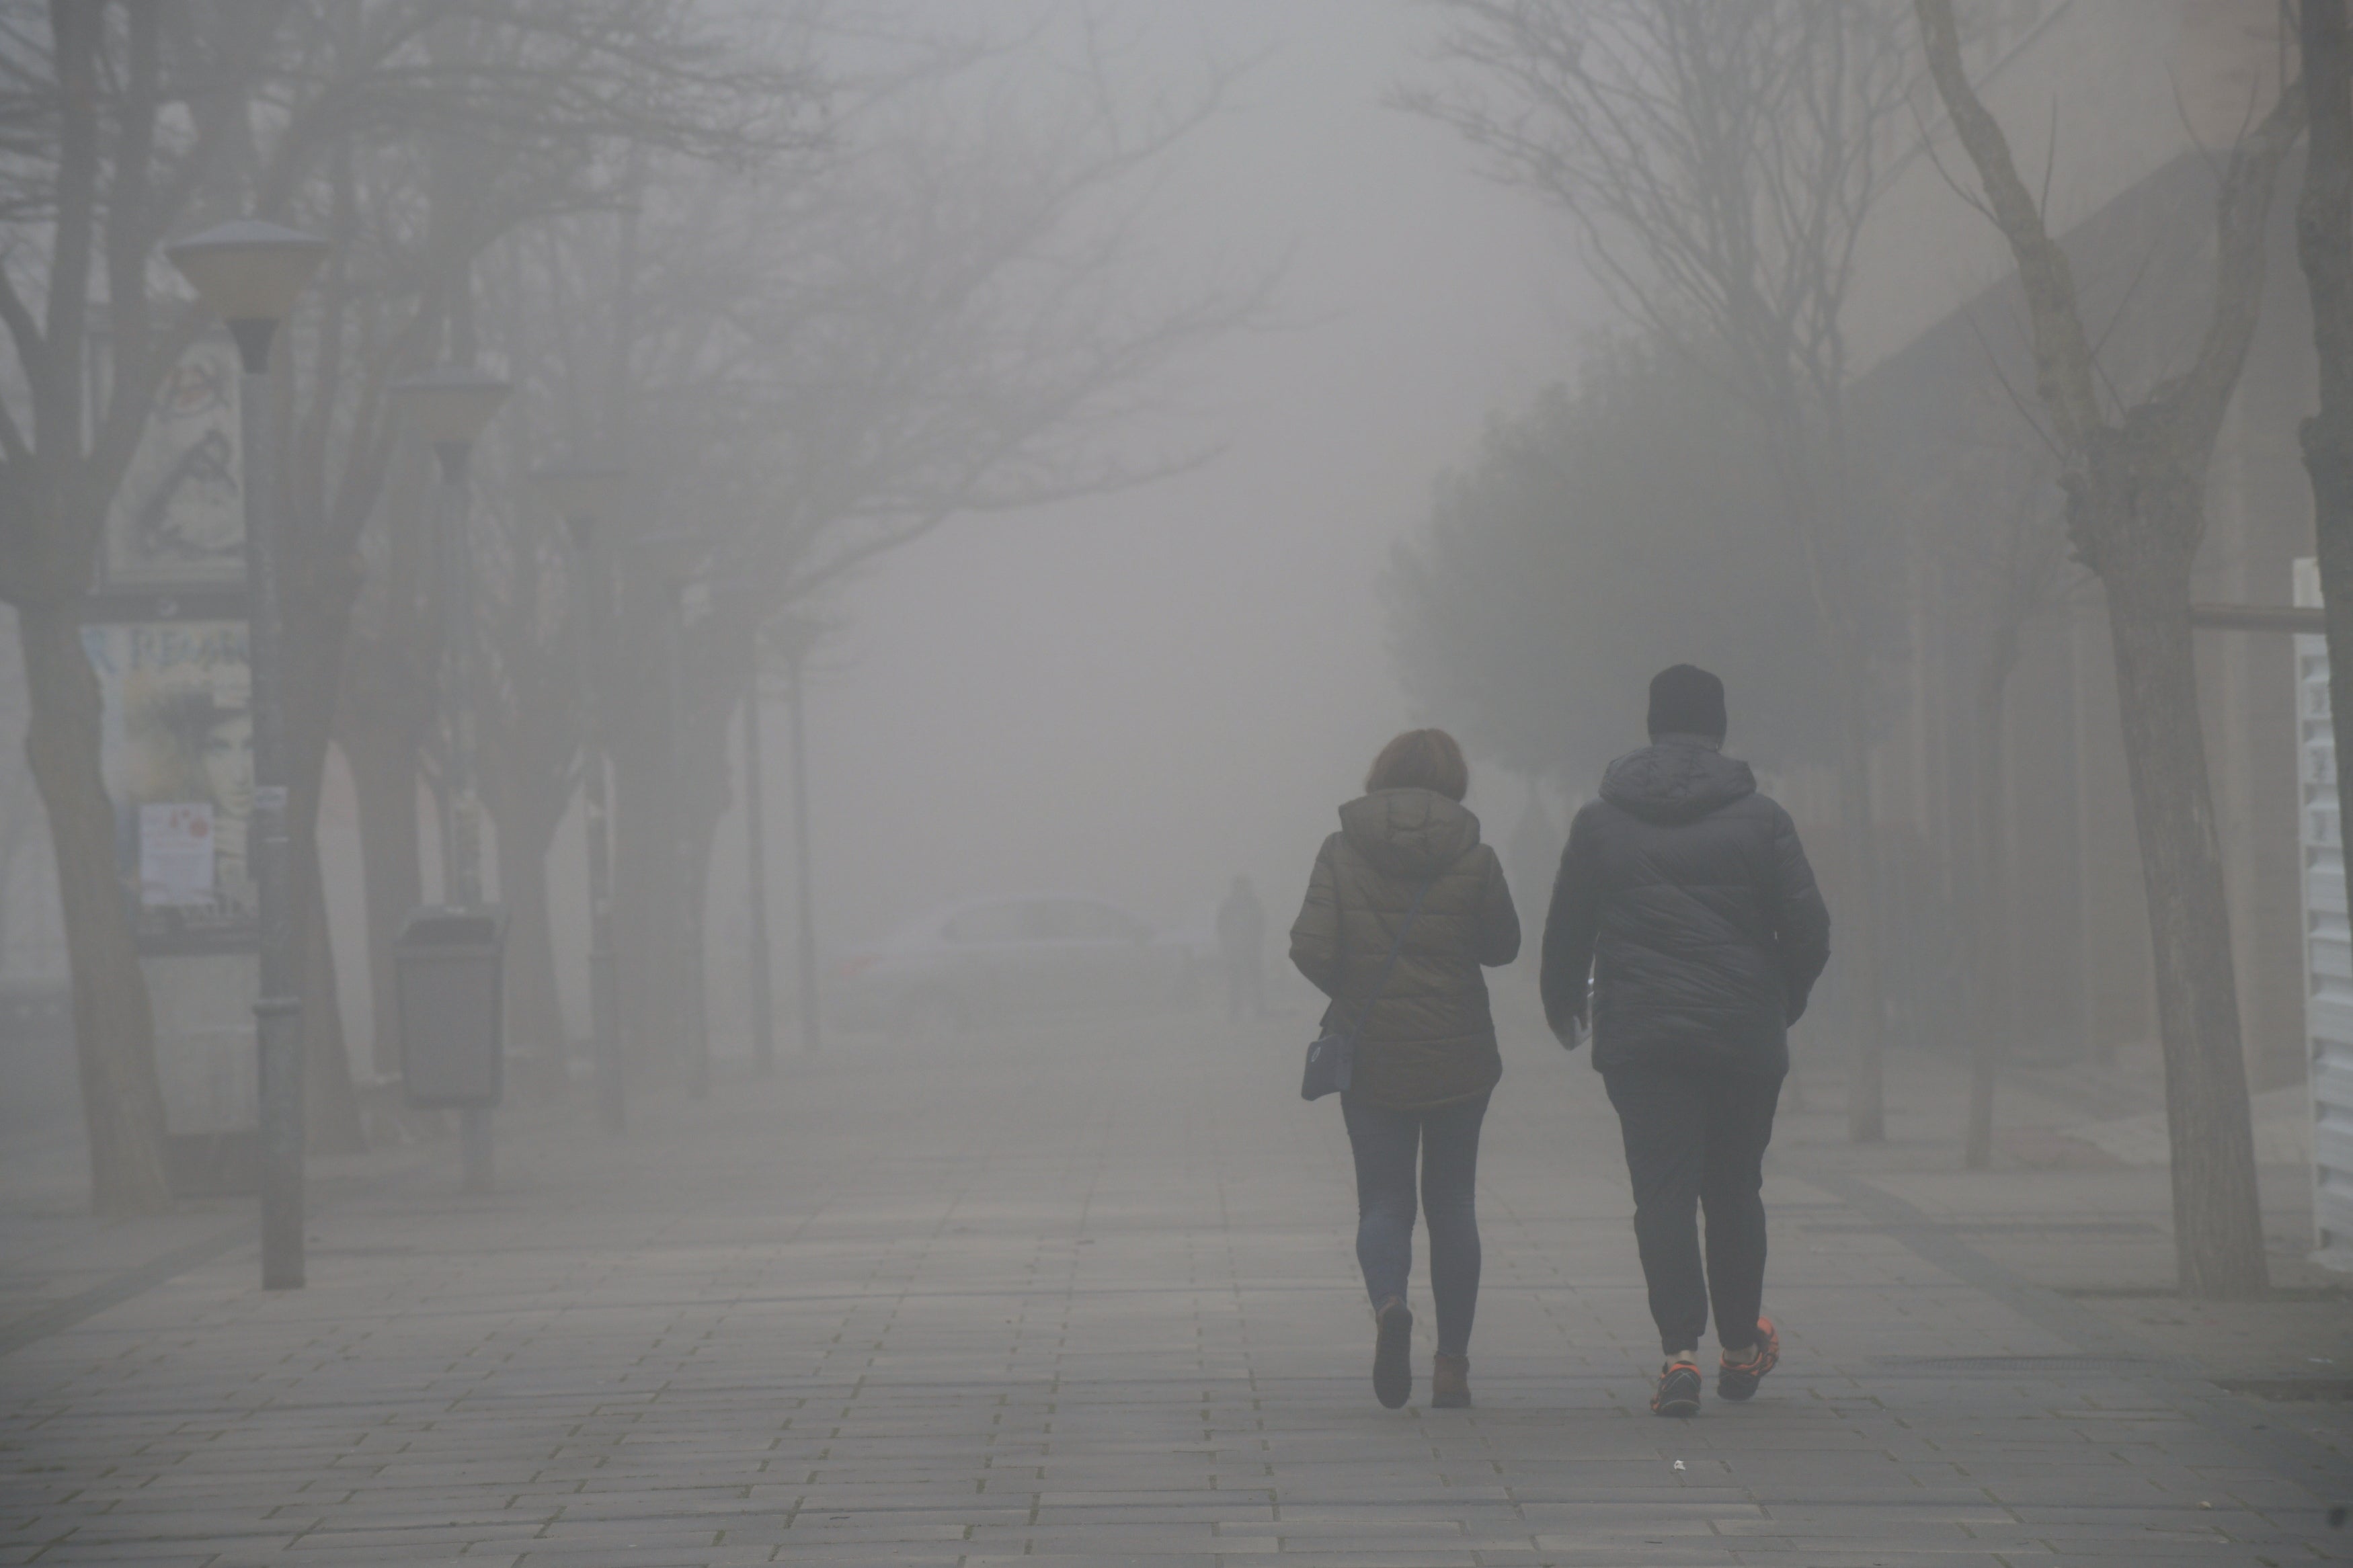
(1397, 949)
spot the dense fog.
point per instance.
(1102, 428)
(1141, 695)
(857, 781)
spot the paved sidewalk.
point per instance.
(1091, 1298)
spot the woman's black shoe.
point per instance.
(1450, 1381)
(1392, 1353)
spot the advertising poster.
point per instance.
(176, 855)
(179, 754)
(178, 518)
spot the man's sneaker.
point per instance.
(1392, 1353)
(1678, 1392)
(1738, 1379)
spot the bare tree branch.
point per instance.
(2064, 356)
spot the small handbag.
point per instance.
(1331, 1057)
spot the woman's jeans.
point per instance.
(1385, 1143)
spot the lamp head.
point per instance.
(672, 557)
(583, 494)
(249, 273)
(794, 635)
(451, 404)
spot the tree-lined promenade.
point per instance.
(799, 284)
(1849, 527)
(810, 288)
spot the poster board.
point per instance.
(176, 746)
(165, 634)
(177, 521)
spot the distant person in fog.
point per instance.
(1425, 1059)
(1685, 896)
(1241, 939)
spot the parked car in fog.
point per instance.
(992, 960)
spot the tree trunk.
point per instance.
(641, 917)
(2136, 495)
(15, 839)
(1866, 1092)
(659, 740)
(384, 776)
(1991, 973)
(707, 805)
(316, 631)
(114, 1025)
(1811, 471)
(535, 1012)
(330, 1103)
(330, 1107)
(706, 789)
(694, 973)
(2217, 1220)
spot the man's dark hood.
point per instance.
(1414, 833)
(1675, 781)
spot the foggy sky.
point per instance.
(1142, 695)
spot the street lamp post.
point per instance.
(582, 493)
(804, 888)
(679, 595)
(249, 273)
(450, 406)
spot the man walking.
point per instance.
(1686, 898)
(1241, 941)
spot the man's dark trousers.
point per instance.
(1696, 1138)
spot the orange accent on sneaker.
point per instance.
(1736, 1379)
(1678, 1390)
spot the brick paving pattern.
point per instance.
(1090, 1297)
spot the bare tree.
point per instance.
(114, 118)
(2134, 478)
(125, 119)
(531, 695)
(440, 128)
(983, 342)
(942, 313)
(1721, 162)
(548, 108)
(1553, 546)
(383, 720)
(23, 834)
(1996, 526)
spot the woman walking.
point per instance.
(1404, 907)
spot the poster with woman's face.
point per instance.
(178, 517)
(179, 755)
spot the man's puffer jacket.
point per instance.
(1687, 897)
(1428, 1040)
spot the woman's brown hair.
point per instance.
(1421, 759)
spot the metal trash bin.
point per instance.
(448, 997)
